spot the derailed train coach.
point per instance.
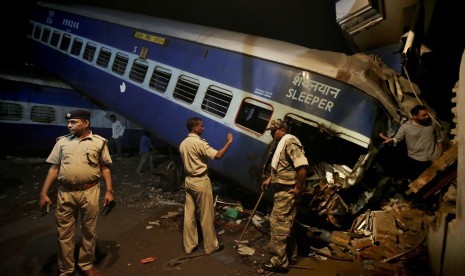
(159, 72)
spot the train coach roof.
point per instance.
(358, 70)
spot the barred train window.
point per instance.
(11, 111)
(42, 114)
(160, 79)
(89, 52)
(120, 63)
(46, 35)
(104, 57)
(138, 70)
(186, 89)
(77, 46)
(254, 115)
(37, 31)
(55, 39)
(217, 101)
(65, 41)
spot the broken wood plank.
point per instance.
(440, 164)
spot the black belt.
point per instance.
(282, 187)
(79, 187)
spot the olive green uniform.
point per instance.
(195, 153)
(79, 163)
(284, 211)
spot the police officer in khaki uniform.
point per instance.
(195, 152)
(288, 174)
(78, 160)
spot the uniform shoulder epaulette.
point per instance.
(67, 135)
(100, 137)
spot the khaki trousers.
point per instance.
(71, 204)
(199, 197)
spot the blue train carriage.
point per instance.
(32, 114)
(159, 72)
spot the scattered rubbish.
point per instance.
(147, 260)
(245, 250)
(171, 214)
(148, 227)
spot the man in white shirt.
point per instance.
(116, 137)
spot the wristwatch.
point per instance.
(111, 192)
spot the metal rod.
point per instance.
(251, 215)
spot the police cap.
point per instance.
(78, 114)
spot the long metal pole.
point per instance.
(251, 215)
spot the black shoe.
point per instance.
(220, 248)
(272, 268)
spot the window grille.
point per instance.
(42, 114)
(217, 101)
(104, 57)
(120, 63)
(37, 32)
(65, 41)
(186, 89)
(55, 39)
(138, 70)
(11, 111)
(160, 79)
(89, 52)
(45, 35)
(76, 47)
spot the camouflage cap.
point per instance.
(78, 114)
(277, 124)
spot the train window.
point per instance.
(217, 101)
(120, 63)
(46, 35)
(138, 70)
(37, 32)
(254, 115)
(55, 39)
(160, 79)
(42, 114)
(11, 111)
(186, 89)
(77, 46)
(65, 41)
(104, 57)
(89, 51)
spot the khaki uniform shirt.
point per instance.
(195, 153)
(79, 160)
(292, 156)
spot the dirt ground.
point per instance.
(146, 222)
